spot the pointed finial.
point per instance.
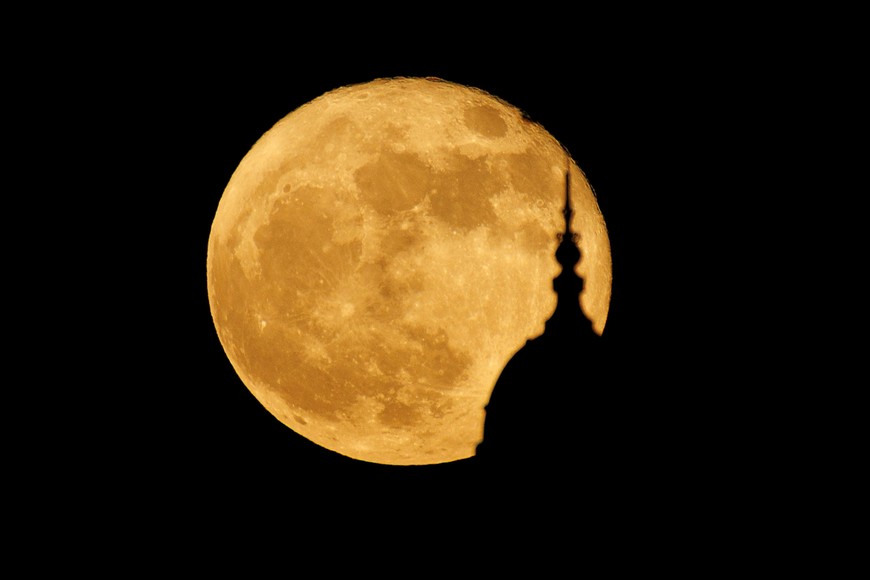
(568, 209)
(568, 253)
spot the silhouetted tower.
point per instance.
(534, 416)
(568, 317)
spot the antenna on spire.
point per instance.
(568, 210)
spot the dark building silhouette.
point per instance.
(531, 416)
(536, 432)
(588, 442)
(573, 430)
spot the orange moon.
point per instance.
(381, 253)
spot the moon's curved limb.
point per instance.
(381, 253)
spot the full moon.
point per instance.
(381, 253)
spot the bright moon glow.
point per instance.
(382, 252)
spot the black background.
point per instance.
(172, 430)
(696, 130)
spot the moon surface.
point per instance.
(381, 253)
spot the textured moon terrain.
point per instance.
(380, 254)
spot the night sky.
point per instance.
(139, 442)
(190, 432)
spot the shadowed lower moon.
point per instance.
(381, 253)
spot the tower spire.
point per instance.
(535, 430)
(568, 254)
